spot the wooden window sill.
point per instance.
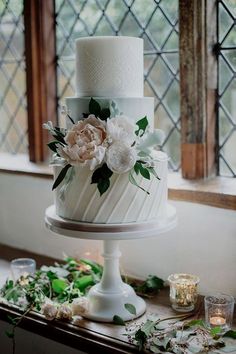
(217, 192)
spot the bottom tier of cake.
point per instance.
(77, 199)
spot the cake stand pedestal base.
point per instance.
(108, 298)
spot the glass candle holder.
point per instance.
(22, 267)
(219, 310)
(183, 291)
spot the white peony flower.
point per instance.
(121, 128)
(120, 158)
(65, 312)
(79, 306)
(49, 311)
(85, 143)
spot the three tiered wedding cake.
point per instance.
(106, 167)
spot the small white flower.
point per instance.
(79, 306)
(49, 311)
(121, 128)
(64, 312)
(120, 158)
(48, 126)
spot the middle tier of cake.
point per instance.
(134, 108)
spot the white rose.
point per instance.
(85, 143)
(120, 158)
(65, 312)
(79, 306)
(121, 128)
(49, 311)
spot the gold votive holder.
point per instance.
(219, 311)
(183, 291)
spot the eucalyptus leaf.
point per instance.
(118, 320)
(131, 308)
(61, 176)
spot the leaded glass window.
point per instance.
(227, 87)
(13, 114)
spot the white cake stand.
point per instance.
(108, 298)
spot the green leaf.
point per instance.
(134, 182)
(194, 323)
(101, 173)
(118, 320)
(61, 176)
(104, 114)
(9, 334)
(230, 334)
(136, 168)
(53, 145)
(96, 268)
(94, 107)
(12, 320)
(154, 283)
(215, 331)
(84, 282)
(131, 308)
(142, 125)
(59, 285)
(103, 186)
(101, 177)
(144, 172)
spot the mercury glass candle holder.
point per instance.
(219, 311)
(183, 291)
(22, 267)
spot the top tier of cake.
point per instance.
(109, 67)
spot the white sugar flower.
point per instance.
(48, 126)
(64, 312)
(79, 306)
(120, 158)
(49, 311)
(150, 140)
(121, 128)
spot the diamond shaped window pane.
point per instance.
(227, 87)
(156, 23)
(13, 130)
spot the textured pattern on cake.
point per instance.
(123, 202)
(114, 73)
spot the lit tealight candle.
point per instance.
(217, 321)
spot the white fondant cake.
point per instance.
(110, 70)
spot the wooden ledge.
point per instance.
(218, 192)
